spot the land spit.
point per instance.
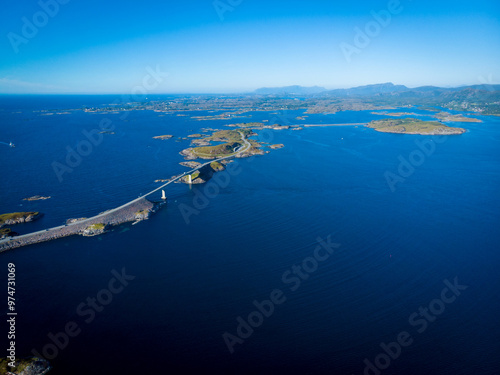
(136, 211)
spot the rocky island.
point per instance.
(276, 147)
(18, 218)
(190, 164)
(36, 198)
(445, 116)
(413, 126)
(25, 366)
(163, 137)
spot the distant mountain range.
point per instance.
(484, 99)
(291, 90)
(384, 89)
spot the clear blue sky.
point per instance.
(106, 47)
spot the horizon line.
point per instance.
(244, 92)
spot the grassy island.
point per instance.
(229, 135)
(231, 139)
(216, 151)
(18, 217)
(231, 144)
(216, 166)
(413, 126)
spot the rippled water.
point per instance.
(192, 281)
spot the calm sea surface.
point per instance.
(201, 262)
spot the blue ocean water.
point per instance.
(194, 277)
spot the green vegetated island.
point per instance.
(414, 126)
(229, 143)
(13, 219)
(221, 144)
(443, 116)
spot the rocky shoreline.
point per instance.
(36, 198)
(203, 174)
(26, 366)
(413, 126)
(163, 137)
(137, 211)
(19, 218)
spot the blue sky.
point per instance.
(109, 47)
